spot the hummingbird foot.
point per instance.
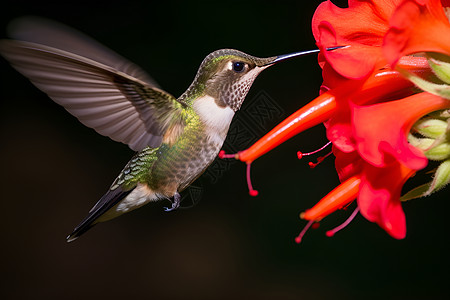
(175, 202)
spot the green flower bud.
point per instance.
(431, 134)
(440, 65)
(423, 144)
(431, 128)
(439, 152)
(442, 176)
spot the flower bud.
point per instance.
(440, 64)
(439, 152)
(431, 128)
(442, 176)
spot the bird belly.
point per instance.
(169, 175)
(198, 166)
(175, 170)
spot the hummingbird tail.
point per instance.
(108, 201)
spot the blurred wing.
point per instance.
(112, 102)
(56, 35)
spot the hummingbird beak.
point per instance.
(295, 54)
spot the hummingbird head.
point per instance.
(226, 76)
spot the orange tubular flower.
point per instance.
(326, 105)
(369, 111)
(336, 199)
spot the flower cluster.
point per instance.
(384, 101)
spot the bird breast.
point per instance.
(216, 119)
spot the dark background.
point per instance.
(230, 245)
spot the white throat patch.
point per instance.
(213, 116)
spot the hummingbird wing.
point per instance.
(112, 97)
(54, 34)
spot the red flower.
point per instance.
(369, 110)
(361, 26)
(371, 140)
(382, 161)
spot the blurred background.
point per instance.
(230, 245)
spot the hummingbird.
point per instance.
(175, 139)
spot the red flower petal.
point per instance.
(331, 78)
(417, 26)
(347, 164)
(382, 128)
(379, 197)
(376, 88)
(361, 26)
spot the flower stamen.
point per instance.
(251, 191)
(301, 154)
(298, 239)
(319, 160)
(223, 155)
(333, 231)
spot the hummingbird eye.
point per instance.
(238, 66)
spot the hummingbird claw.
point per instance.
(175, 202)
